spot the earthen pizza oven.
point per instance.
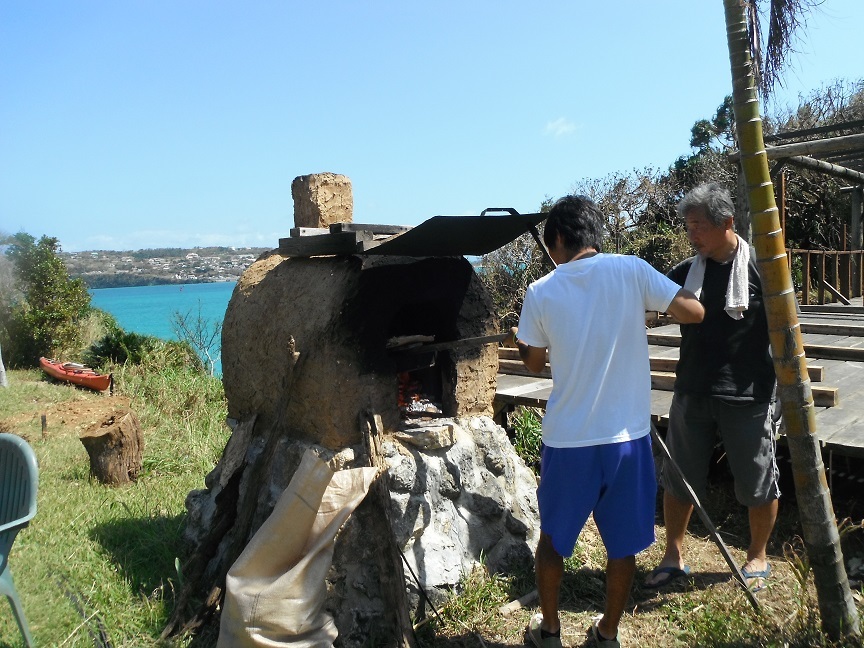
(318, 343)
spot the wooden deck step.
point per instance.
(509, 363)
(824, 351)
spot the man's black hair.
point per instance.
(578, 221)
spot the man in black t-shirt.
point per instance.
(724, 386)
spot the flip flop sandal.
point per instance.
(598, 638)
(754, 575)
(535, 634)
(673, 574)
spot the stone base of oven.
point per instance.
(460, 499)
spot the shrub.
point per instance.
(42, 306)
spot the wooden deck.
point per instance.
(833, 341)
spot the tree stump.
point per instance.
(115, 447)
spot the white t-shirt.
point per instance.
(590, 314)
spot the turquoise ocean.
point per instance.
(148, 309)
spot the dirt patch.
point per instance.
(66, 417)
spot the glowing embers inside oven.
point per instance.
(417, 397)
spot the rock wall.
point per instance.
(459, 498)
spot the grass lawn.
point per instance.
(99, 562)
(98, 565)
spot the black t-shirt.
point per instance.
(721, 356)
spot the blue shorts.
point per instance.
(615, 481)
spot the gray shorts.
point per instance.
(747, 433)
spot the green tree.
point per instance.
(41, 306)
(821, 538)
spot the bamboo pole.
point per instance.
(824, 146)
(821, 538)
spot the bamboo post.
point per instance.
(783, 203)
(821, 537)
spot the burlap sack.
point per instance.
(275, 590)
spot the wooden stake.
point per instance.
(389, 558)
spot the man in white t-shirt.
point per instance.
(596, 457)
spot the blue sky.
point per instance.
(128, 124)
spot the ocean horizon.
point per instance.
(148, 310)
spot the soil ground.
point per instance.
(66, 417)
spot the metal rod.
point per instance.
(703, 515)
(454, 344)
(546, 255)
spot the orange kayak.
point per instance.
(75, 373)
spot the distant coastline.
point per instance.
(159, 266)
(129, 280)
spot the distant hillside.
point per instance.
(112, 269)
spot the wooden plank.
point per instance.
(825, 396)
(815, 372)
(829, 328)
(305, 246)
(822, 396)
(826, 317)
(518, 368)
(824, 146)
(841, 425)
(365, 246)
(664, 339)
(820, 280)
(662, 380)
(836, 293)
(308, 231)
(847, 441)
(662, 364)
(464, 343)
(844, 430)
(533, 399)
(507, 353)
(834, 352)
(832, 309)
(337, 228)
(525, 385)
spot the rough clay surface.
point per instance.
(321, 199)
(283, 306)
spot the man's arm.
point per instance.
(534, 358)
(685, 308)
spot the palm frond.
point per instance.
(786, 22)
(754, 30)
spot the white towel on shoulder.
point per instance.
(737, 291)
